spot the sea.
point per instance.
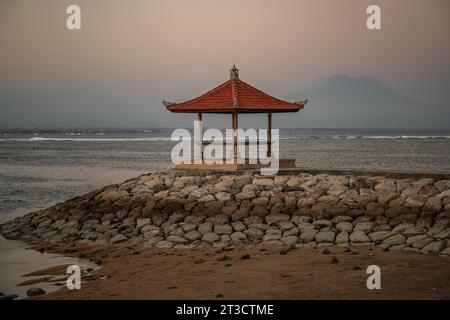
(39, 168)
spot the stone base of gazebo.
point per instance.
(283, 164)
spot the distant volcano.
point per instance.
(345, 101)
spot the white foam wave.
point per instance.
(99, 138)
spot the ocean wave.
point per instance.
(101, 138)
(97, 139)
(406, 137)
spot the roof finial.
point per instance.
(234, 73)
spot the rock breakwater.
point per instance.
(171, 210)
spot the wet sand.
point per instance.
(18, 265)
(257, 272)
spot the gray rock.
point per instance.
(261, 226)
(164, 244)
(291, 232)
(253, 219)
(305, 226)
(193, 219)
(238, 226)
(8, 296)
(308, 235)
(445, 252)
(270, 237)
(69, 225)
(152, 241)
(297, 220)
(121, 214)
(380, 235)
(59, 223)
(359, 237)
(248, 195)
(285, 225)
(218, 219)
(444, 234)
(238, 236)
(365, 227)
(345, 226)
(289, 240)
(205, 227)
(414, 231)
(402, 227)
(339, 219)
(159, 219)
(254, 233)
(168, 227)
(151, 233)
(118, 238)
(325, 236)
(342, 237)
(193, 235)
(433, 247)
(176, 239)
(382, 227)
(223, 229)
(387, 185)
(32, 292)
(415, 238)
(206, 198)
(273, 230)
(260, 201)
(142, 222)
(264, 182)
(397, 247)
(442, 185)
(394, 240)
(434, 203)
(210, 237)
(188, 227)
(223, 196)
(275, 218)
(322, 223)
(176, 217)
(420, 243)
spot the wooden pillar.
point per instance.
(269, 134)
(199, 118)
(235, 140)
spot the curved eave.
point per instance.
(176, 109)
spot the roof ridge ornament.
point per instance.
(168, 103)
(301, 103)
(234, 73)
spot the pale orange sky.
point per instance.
(180, 48)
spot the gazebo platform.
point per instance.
(283, 164)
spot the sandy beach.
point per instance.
(257, 272)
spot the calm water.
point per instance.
(41, 168)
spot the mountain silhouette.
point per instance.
(355, 102)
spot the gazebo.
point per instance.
(234, 97)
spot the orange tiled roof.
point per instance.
(235, 95)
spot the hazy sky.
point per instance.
(130, 54)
